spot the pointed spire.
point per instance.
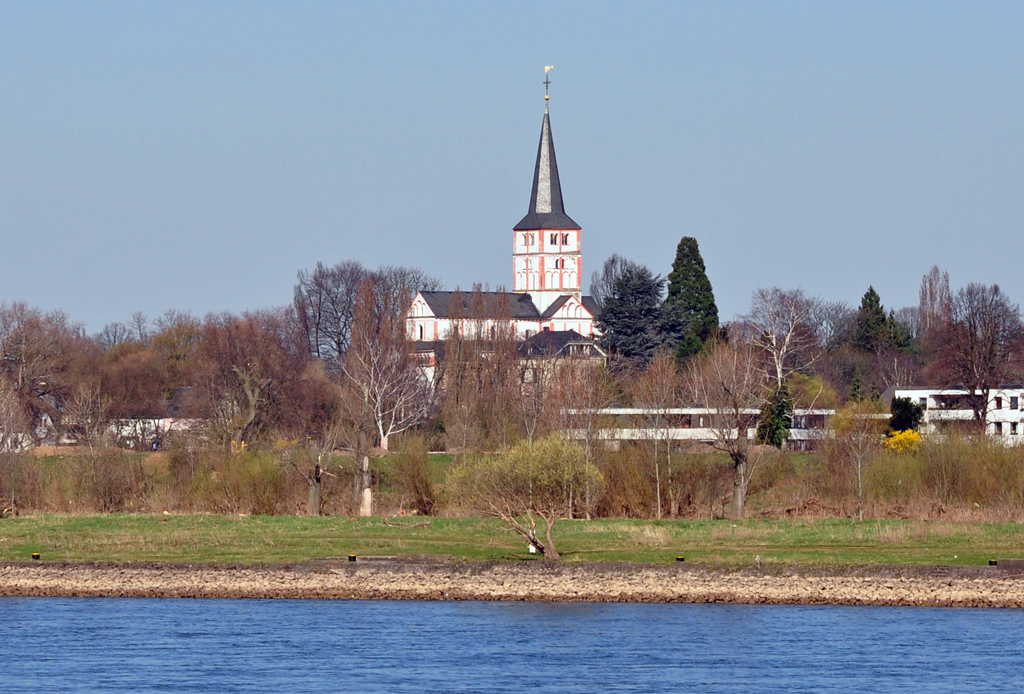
(546, 210)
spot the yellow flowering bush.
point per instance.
(906, 441)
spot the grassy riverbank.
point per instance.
(254, 540)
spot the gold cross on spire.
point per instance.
(547, 81)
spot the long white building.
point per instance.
(946, 408)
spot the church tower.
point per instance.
(546, 248)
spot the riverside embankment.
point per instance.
(527, 581)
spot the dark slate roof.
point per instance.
(520, 306)
(558, 303)
(426, 345)
(546, 209)
(590, 303)
(550, 343)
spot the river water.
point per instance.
(143, 645)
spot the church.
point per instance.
(547, 272)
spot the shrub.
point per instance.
(894, 477)
(905, 441)
(116, 481)
(627, 490)
(253, 483)
(22, 481)
(704, 480)
(411, 475)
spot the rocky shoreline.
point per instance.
(526, 581)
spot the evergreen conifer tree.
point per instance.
(856, 387)
(875, 330)
(631, 316)
(776, 418)
(690, 314)
(906, 414)
(870, 325)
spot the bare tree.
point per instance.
(858, 433)
(87, 413)
(12, 418)
(729, 381)
(12, 440)
(583, 390)
(656, 389)
(324, 307)
(537, 375)
(138, 327)
(833, 322)
(112, 335)
(387, 393)
(396, 281)
(312, 464)
(602, 282)
(780, 325)
(910, 318)
(983, 346)
(485, 402)
(936, 301)
(38, 352)
(325, 301)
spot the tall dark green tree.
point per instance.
(631, 316)
(690, 315)
(776, 418)
(906, 414)
(876, 331)
(870, 325)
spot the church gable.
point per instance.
(569, 309)
(420, 308)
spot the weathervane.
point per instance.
(547, 81)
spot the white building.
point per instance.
(948, 408)
(547, 272)
(696, 424)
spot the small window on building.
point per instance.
(554, 239)
(565, 239)
(999, 428)
(421, 332)
(999, 403)
(1015, 403)
(1013, 428)
(923, 402)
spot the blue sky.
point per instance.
(195, 156)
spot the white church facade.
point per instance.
(547, 272)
